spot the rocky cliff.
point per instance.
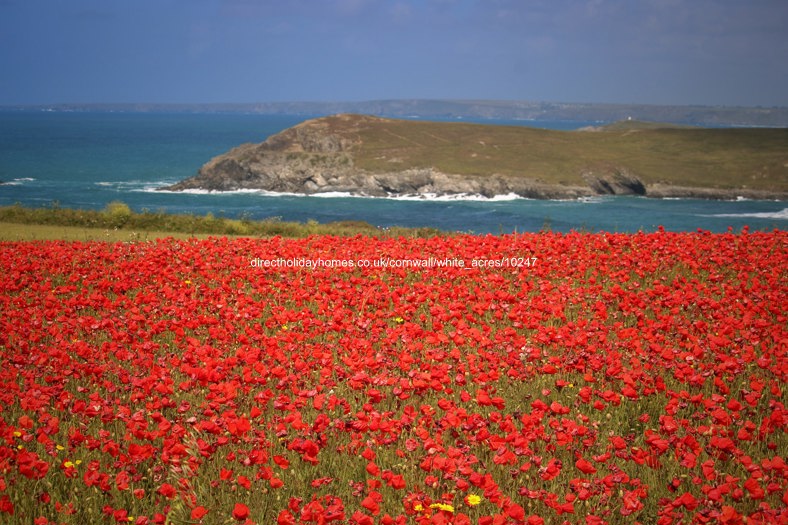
(321, 156)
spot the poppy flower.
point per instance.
(240, 512)
(585, 467)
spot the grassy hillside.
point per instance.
(755, 158)
(117, 222)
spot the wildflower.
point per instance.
(418, 507)
(240, 512)
(442, 506)
(473, 499)
(399, 320)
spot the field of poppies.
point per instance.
(549, 378)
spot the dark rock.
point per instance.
(614, 181)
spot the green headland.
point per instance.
(381, 156)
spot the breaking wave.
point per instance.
(780, 215)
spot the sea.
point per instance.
(89, 159)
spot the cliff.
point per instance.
(378, 157)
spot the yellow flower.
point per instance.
(473, 499)
(68, 464)
(442, 506)
(399, 320)
(17, 434)
(417, 507)
(187, 281)
(285, 327)
(60, 447)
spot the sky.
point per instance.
(676, 52)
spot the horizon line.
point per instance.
(384, 100)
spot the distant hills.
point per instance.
(377, 156)
(471, 109)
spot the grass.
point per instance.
(117, 222)
(755, 158)
(10, 231)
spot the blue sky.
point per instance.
(712, 52)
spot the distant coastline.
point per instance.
(699, 115)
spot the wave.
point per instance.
(156, 188)
(416, 197)
(120, 184)
(454, 197)
(739, 198)
(781, 215)
(18, 182)
(324, 195)
(198, 191)
(131, 185)
(589, 200)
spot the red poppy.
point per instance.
(240, 512)
(199, 513)
(6, 506)
(584, 466)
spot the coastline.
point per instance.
(532, 191)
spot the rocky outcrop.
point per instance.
(302, 175)
(614, 181)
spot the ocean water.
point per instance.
(86, 160)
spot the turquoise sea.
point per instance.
(86, 160)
